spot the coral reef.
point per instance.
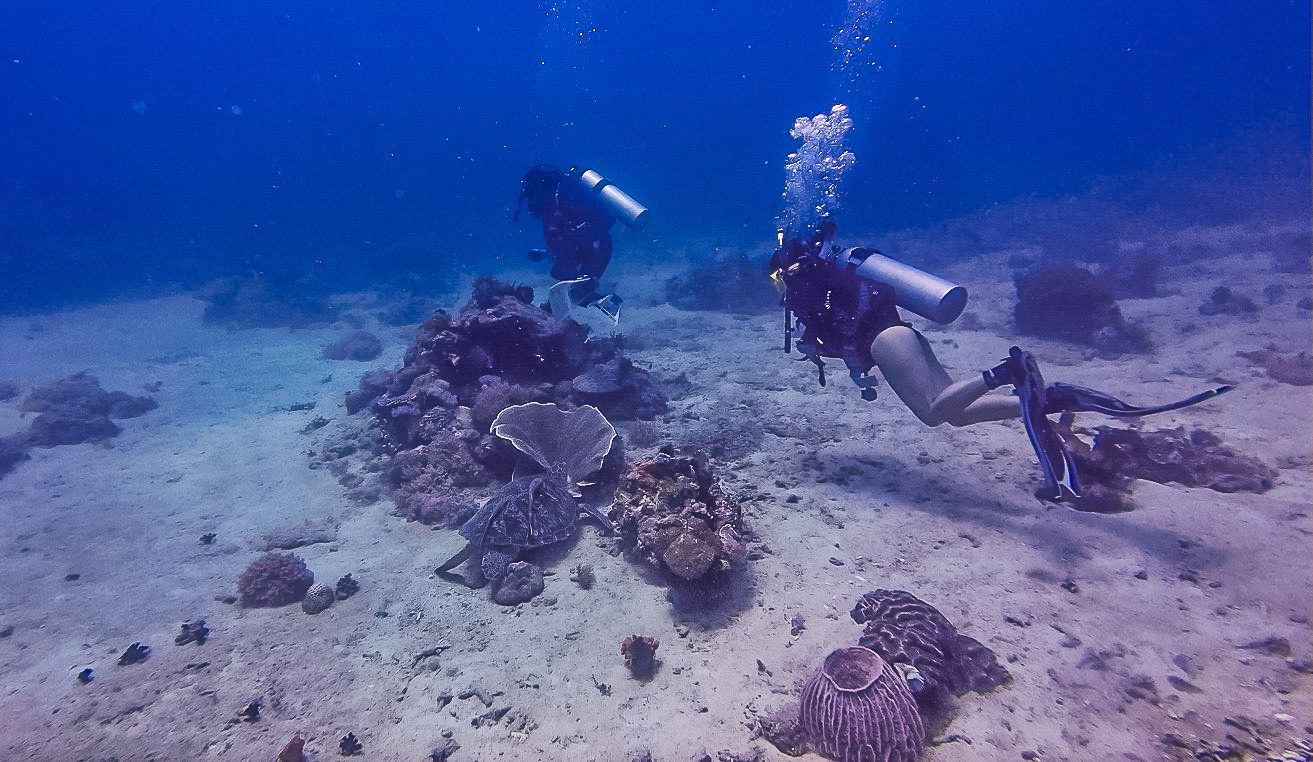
(640, 655)
(1294, 368)
(733, 284)
(433, 415)
(193, 632)
(1070, 304)
(856, 708)
(673, 514)
(76, 410)
(521, 582)
(318, 598)
(346, 587)
(1224, 301)
(616, 385)
(361, 346)
(274, 579)
(253, 302)
(903, 629)
(1194, 459)
(373, 384)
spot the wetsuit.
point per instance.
(577, 237)
(841, 312)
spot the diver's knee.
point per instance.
(929, 418)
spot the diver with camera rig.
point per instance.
(846, 300)
(578, 209)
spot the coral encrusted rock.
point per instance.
(673, 514)
(520, 584)
(857, 708)
(432, 417)
(274, 579)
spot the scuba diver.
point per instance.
(846, 303)
(578, 209)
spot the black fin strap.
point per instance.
(820, 368)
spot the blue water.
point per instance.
(334, 145)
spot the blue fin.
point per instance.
(1067, 398)
(1057, 463)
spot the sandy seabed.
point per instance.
(1122, 632)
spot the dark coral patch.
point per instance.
(274, 579)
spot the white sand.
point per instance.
(946, 514)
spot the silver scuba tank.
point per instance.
(929, 296)
(616, 201)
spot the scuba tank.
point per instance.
(616, 201)
(929, 296)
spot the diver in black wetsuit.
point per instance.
(578, 209)
(846, 315)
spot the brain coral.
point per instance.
(906, 630)
(318, 598)
(274, 579)
(857, 708)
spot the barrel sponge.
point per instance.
(857, 707)
(274, 579)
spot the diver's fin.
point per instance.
(1057, 463)
(609, 305)
(558, 296)
(1066, 398)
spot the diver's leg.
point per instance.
(909, 365)
(963, 403)
(911, 370)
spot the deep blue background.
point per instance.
(159, 144)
